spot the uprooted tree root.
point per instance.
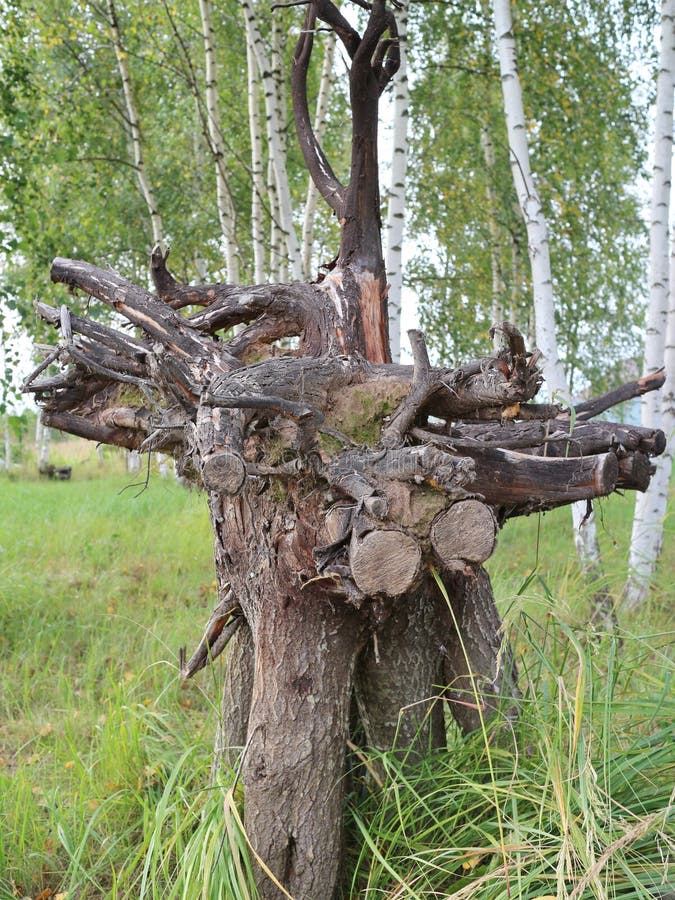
(333, 483)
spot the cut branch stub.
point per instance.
(385, 562)
(223, 471)
(220, 439)
(465, 531)
(529, 483)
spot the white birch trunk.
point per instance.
(497, 310)
(657, 407)
(133, 462)
(276, 249)
(528, 198)
(280, 170)
(162, 465)
(135, 130)
(647, 542)
(312, 200)
(487, 146)
(585, 537)
(397, 195)
(8, 444)
(226, 211)
(257, 172)
(275, 141)
(42, 443)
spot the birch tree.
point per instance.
(278, 184)
(42, 444)
(538, 246)
(135, 129)
(395, 227)
(226, 210)
(587, 145)
(257, 166)
(650, 507)
(7, 443)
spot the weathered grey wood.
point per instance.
(385, 562)
(527, 483)
(590, 438)
(415, 464)
(219, 435)
(465, 531)
(504, 435)
(132, 302)
(92, 430)
(222, 625)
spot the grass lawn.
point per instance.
(104, 759)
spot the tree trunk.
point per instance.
(397, 195)
(226, 210)
(479, 668)
(7, 444)
(276, 148)
(311, 203)
(585, 537)
(135, 130)
(257, 171)
(42, 445)
(646, 537)
(399, 676)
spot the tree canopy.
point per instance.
(66, 138)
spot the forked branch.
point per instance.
(319, 168)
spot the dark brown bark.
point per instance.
(305, 651)
(236, 701)
(399, 676)
(479, 668)
(626, 392)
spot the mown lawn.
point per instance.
(104, 759)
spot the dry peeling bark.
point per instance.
(336, 481)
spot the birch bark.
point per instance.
(226, 210)
(42, 443)
(646, 549)
(397, 194)
(498, 287)
(585, 537)
(657, 412)
(257, 171)
(274, 138)
(135, 129)
(8, 444)
(487, 146)
(312, 200)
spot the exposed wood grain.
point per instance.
(385, 562)
(465, 531)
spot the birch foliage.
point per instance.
(587, 146)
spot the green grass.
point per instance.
(105, 762)
(572, 800)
